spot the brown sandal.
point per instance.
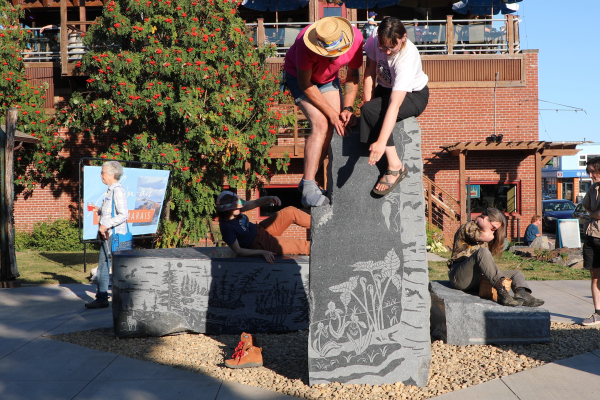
(390, 186)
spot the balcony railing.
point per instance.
(46, 46)
(463, 36)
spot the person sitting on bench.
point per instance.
(475, 244)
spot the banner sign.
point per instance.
(475, 191)
(145, 189)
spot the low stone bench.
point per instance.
(207, 290)
(463, 319)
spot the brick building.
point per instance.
(472, 96)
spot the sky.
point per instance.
(567, 35)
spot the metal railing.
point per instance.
(42, 47)
(462, 36)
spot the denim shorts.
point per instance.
(292, 84)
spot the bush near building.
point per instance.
(180, 82)
(34, 164)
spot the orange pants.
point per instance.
(268, 233)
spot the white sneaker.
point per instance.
(592, 320)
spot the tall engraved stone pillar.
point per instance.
(369, 299)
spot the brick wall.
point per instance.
(56, 198)
(453, 114)
(467, 114)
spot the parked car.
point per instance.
(553, 210)
(582, 215)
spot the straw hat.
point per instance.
(330, 36)
(229, 201)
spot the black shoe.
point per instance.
(504, 298)
(528, 300)
(97, 304)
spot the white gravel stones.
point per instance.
(285, 360)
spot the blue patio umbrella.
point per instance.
(486, 7)
(275, 5)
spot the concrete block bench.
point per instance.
(207, 290)
(462, 319)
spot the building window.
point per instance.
(550, 185)
(592, 156)
(582, 160)
(288, 194)
(504, 196)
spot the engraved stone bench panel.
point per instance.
(463, 319)
(207, 290)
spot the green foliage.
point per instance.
(180, 82)
(22, 241)
(57, 235)
(543, 255)
(33, 163)
(434, 234)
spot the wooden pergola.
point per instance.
(543, 152)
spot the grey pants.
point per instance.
(466, 275)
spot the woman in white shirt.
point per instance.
(401, 93)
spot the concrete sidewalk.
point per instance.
(37, 368)
(573, 378)
(33, 367)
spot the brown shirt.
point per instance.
(591, 202)
(466, 242)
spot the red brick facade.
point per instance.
(457, 114)
(467, 114)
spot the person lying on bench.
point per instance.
(475, 244)
(264, 239)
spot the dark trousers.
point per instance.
(373, 112)
(591, 252)
(466, 275)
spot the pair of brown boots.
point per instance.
(246, 354)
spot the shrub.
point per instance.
(434, 235)
(181, 82)
(57, 235)
(22, 241)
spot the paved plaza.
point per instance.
(33, 367)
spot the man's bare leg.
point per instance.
(316, 147)
(595, 273)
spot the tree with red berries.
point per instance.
(181, 82)
(34, 164)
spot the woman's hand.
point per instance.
(103, 231)
(377, 149)
(269, 256)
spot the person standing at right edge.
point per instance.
(591, 242)
(401, 93)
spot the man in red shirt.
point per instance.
(311, 74)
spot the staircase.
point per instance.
(442, 209)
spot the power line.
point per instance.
(574, 109)
(562, 105)
(545, 130)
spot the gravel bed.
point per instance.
(285, 359)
